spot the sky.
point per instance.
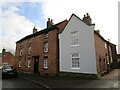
(18, 17)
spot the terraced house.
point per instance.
(38, 52)
(71, 46)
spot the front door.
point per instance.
(36, 64)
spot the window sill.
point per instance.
(45, 68)
(45, 52)
(75, 68)
(74, 46)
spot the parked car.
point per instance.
(8, 71)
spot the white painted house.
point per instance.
(77, 48)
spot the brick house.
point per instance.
(84, 50)
(118, 60)
(38, 52)
(0, 59)
(70, 46)
(7, 58)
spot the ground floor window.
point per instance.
(28, 63)
(75, 61)
(19, 63)
(46, 62)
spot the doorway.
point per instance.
(36, 64)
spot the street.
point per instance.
(18, 83)
(28, 81)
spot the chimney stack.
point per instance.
(34, 30)
(87, 19)
(3, 50)
(49, 23)
(98, 31)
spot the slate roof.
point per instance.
(41, 32)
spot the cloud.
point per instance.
(104, 14)
(13, 26)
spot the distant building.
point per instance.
(0, 59)
(7, 58)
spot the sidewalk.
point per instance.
(113, 75)
(69, 82)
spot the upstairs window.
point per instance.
(21, 44)
(29, 50)
(46, 46)
(21, 50)
(75, 61)
(105, 45)
(30, 41)
(46, 35)
(74, 38)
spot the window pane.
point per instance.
(75, 60)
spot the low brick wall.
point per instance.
(78, 75)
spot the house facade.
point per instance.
(38, 52)
(70, 46)
(76, 45)
(84, 50)
(7, 58)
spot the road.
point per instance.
(18, 83)
(110, 80)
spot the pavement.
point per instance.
(108, 81)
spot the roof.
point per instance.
(100, 36)
(103, 38)
(41, 32)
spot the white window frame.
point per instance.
(46, 35)
(46, 62)
(74, 38)
(105, 45)
(28, 63)
(21, 51)
(29, 40)
(46, 46)
(19, 63)
(75, 64)
(29, 50)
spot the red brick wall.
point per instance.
(100, 52)
(37, 50)
(8, 58)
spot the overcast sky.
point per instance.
(18, 17)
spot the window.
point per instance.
(105, 45)
(30, 41)
(46, 62)
(107, 59)
(21, 50)
(46, 35)
(19, 63)
(74, 38)
(28, 63)
(75, 61)
(29, 50)
(21, 43)
(46, 46)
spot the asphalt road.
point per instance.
(18, 83)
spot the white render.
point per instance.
(86, 48)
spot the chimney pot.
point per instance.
(98, 31)
(49, 23)
(34, 30)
